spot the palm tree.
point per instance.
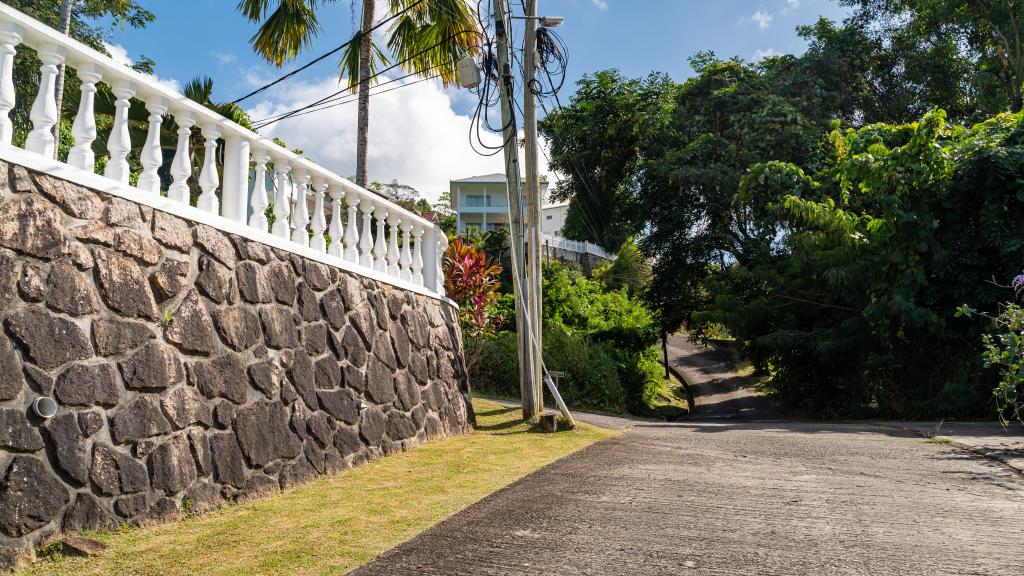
(427, 38)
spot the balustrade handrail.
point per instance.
(578, 246)
(246, 155)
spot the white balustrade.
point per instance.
(336, 248)
(235, 188)
(366, 236)
(394, 219)
(233, 172)
(10, 37)
(44, 109)
(282, 167)
(209, 180)
(181, 166)
(84, 128)
(319, 223)
(152, 155)
(380, 247)
(352, 230)
(417, 256)
(300, 214)
(258, 203)
(405, 260)
(442, 250)
(120, 141)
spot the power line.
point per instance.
(331, 102)
(356, 98)
(326, 54)
(388, 69)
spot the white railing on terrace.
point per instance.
(404, 250)
(576, 246)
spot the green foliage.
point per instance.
(853, 309)
(963, 55)
(402, 194)
(1004, 351)
(582, 306)
(629, 271)
(591, 368)
(428, 38)
(597, 143)
(445, 215)
(602, 339)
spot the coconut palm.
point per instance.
(426, 39)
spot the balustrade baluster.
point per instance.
(209, 180)
(366, 237)
(319, 224)
(120, 142)
(181, 166)
(394, 219)
(44, 109)
(282, 167)
(152, 155)
(300, 212)
(83, 130)
(417, 256)
(336, 230)
(380, 247)
(235, 188)
(10, 37)
(352, 230)
(442, 249)
(406, 258)
(258, 203)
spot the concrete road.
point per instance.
(740, 498)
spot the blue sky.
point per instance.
(418, 134)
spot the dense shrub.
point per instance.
(591, 368)
(583, 306)
(853, 311)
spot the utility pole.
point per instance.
(534, 201)
(526, 384)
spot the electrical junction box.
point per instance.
(469, 73)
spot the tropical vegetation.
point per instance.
(831, 211)
(422, 37)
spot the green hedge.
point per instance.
(598, 376)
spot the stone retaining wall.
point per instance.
(191, 367)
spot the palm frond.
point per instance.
(348, 63)
(286, 31)
(430, 38)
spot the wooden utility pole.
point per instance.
(533, 200)
(512, 178)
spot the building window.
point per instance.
(548, 217)
(475, 201)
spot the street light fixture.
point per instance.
(545, 21)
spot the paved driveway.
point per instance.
(750, 498)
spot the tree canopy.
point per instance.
(832, 210)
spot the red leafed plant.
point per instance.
(471, 280)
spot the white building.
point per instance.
(482, 202)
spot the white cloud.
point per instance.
(416, 136)
(601, 5)
(762, 54)
(789, 7)
(120, 55)
(763, 19)
(223, 58)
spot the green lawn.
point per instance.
(336, 523)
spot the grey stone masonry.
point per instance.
(192, 367)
